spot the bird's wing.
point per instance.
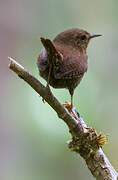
(73, 68)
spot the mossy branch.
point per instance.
(85, 141)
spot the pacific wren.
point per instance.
(63, 61)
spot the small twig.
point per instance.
(84, 140)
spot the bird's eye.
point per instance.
(83, 37)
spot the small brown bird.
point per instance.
(63, 61)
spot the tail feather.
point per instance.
(53, 55)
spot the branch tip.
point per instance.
(14, 63)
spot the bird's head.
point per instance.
(77, 38)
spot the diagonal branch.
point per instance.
(85, 141)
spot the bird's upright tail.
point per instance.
(53, 55)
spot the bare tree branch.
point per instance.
(85, 140)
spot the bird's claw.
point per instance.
(68, 106)
(70, 109)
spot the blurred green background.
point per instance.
(32, 137)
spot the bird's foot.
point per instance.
(70, 109)
(68, 106)
(49, 91)
(47, 86)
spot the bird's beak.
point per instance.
(95, 35)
